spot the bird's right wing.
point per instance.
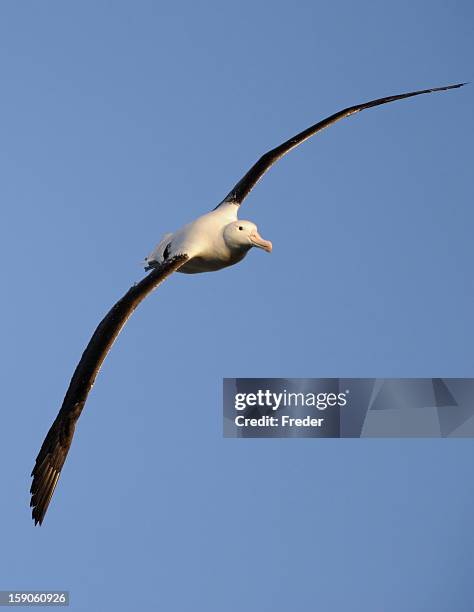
(56, 445)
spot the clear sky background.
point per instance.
(121, 121)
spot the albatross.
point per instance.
(215, 240)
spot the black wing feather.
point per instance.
(56, 445)
(241, 190)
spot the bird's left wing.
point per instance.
(241, 190)
(56, 445)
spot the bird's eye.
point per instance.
(240, 228)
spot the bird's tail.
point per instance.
(149, 264)
(156, 256)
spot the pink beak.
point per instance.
(259, 242)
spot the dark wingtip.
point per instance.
(37, 516)
(445, 87)
(452, 86)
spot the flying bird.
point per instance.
(213, 241)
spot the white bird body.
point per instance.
(205, 241)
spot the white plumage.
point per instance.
(213, 241)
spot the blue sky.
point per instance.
(120, 122)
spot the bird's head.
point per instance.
(244, 235)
